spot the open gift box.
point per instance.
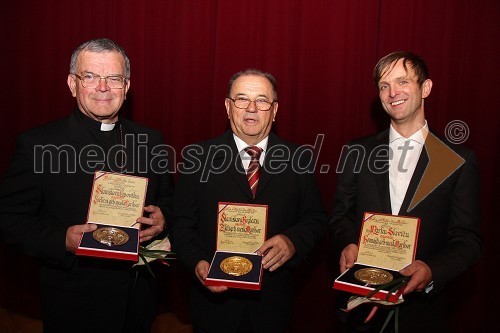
(235, 270)
(387, 244)
(241, 230)
(116, 201)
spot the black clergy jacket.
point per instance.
(47, 189)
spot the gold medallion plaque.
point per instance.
(110, 236)
(373, 276)
(236, 265)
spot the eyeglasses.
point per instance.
(91, 80)
(260, 103)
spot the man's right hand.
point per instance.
(74, 234)
(201, 272)
(348, 257)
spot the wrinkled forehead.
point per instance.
(251, 83)
(109, 59)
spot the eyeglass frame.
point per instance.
(250, 102)
(100, 78)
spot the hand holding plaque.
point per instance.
(116, 202)
(387, 243)
(241, 230)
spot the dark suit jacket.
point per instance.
(295, 210)
(40, 198)
(449, 238)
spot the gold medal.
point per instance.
(110, 236)
(373, 276)
(236, 265)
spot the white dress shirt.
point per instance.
(403, 157)
(245, 158)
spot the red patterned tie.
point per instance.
(253, 171)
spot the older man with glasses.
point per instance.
(248, 166)
(45, 195)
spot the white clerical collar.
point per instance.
(418, 136)
(240, 144)
(107, 127)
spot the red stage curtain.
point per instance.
(321, 51)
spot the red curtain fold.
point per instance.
(321, 51)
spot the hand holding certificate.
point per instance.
(387, 244)
(241, 230)
(116, 202)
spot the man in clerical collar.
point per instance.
(44, 199)
(248, 165)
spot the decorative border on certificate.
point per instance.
(117, 199)
(241, 227)
(388, 241)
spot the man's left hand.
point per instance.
(156, 221)
(277, 251)
(421, 276)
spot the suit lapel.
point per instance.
(132, 161)
(235, 170)
(382, 178)
(265, 175)
(415, 180)
(264, 178)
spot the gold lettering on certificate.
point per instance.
(388, 241)
(236, 265)
(388, 235)
(241, 227)
(117, 199)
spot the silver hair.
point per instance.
(253, 71)
(99, 45)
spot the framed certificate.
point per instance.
(116, 201)
(241, 230)
(387, 244)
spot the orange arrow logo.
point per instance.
(443, 161)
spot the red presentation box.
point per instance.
(387, 244)
(241, 230)
(252, 278)
(116, 201)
